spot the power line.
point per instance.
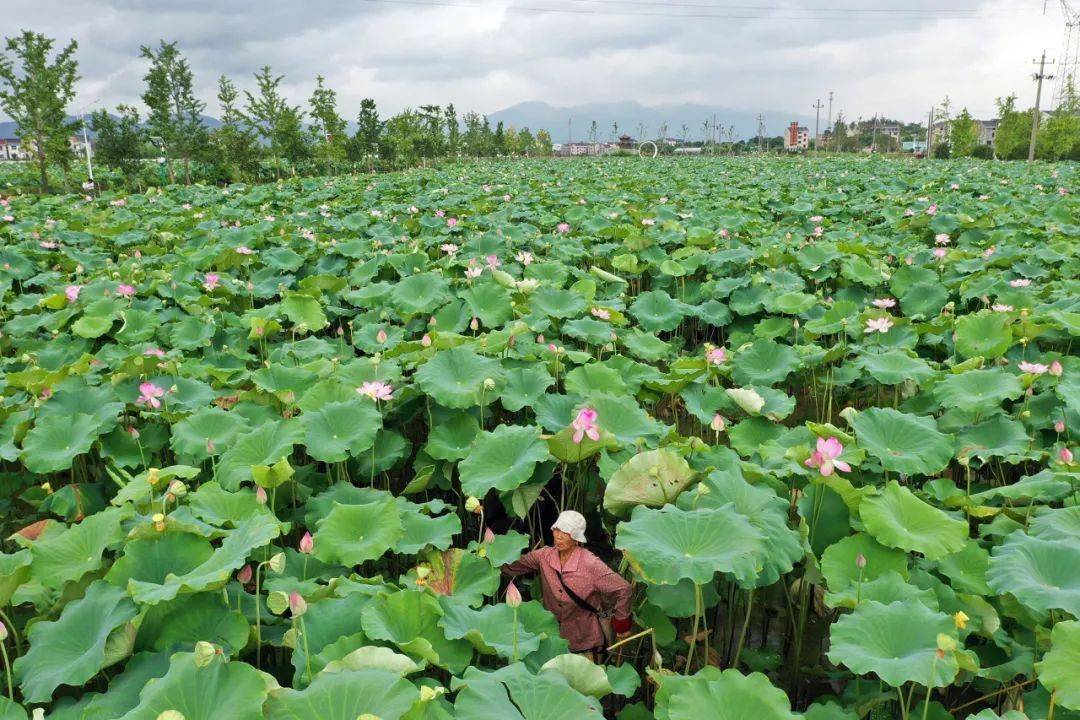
(625, 13)
(929, 12)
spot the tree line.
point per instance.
(260, 134)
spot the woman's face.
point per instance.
(563, 541)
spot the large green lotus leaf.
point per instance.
(332, 624)
(265, 444)
(461, 574)
(455, 378)
(1060, 524)
(524, 385)
(450, 439)
(502, 459)
(512, 693)
(732, 696)
(283, 379)
(558, 303)
(339, 430)
(889, 587)
(898, 642)
(581, 673)
(1040, 573)
(763, 509)
(893, 367)
(991, 715)
(421, 527)
(345, 695)
(897, 518)
(71, 650)
(54, 442)
(666, 545)
(216, 506)
(420, 293)
(73, 396)
(219, 691)
(978, 391)
(490, 629)
(489, 302)
(14, 571)
(656, 311)
(829, 710)
(652, 478)
(1044, 486)
(217, 569)
(594, 377)
(68, 555)
(1000, 436)
(621, 416)
(123, 692)
(764, 363)
(353, 534)
(206, 429)
(838, 565)
(966, 569)
(410, 620)
(904, 443)
(154, 559)
(179, 624)
(305, 312)
(983, 334)
(1059, 670)
(373, 657)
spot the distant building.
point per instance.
(626, 142)
(913, 146)
(14, 148)
(796, 137)
(988, 131)
(574, 149)
(688, 150)
(892, 131)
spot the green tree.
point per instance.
(433, 144)
(526, 143)
(963, 134)
(543, 142)
(404, 139)
(328, 127)
(1059, 137)
(175, 113)
(269, 115)
(473, 139)
(120, 140)
(453, 131)
(499, 140)
(236, 152)
(36, 95)
(368, 128)
(1014, 130)
(839, 140)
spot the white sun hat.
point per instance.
(572, 523)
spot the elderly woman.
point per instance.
(577, 586)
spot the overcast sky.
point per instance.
(489, 54)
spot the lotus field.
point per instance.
(265, 448)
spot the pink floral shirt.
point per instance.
(591, 580)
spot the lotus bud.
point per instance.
(171, 715)
(426, 340)
(474, 324)
(244, 576)
(657, 658)
(260, 495)
(209, 446)
(489, 384)
(473, 505)
(717, 423)
(381, 336)
(860, 561)
(433, 322)
(489, 536)
(513, 595)
(297, 604)
(1059, 426)
(1065, 455)
(277, 602)
(276, 563)
(539, 339)
(204, 653)
(1056, 369)
(307, 544)
(961, 619)
(3, 631)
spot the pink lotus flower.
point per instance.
(1065, 455)
(585, 426)
(376, 390)
(940, 253)
(884, 303)
(297, 604)
(988, 251)
(648, 222)
(474, 324)
(600, 313)
(449, 248)
(244, 250)
(155, 352)
(880, 325)
(513, 595)
(932, 210)
(716, 356)
(489, 536)
(816, 218)
(451, 222)
(426, 340)
(818, 231)
(72, 292)
(1033, 368)
(212, 280)
(825, 457)
(1056, 369)
(473, 272)
(245, 574)
(381, 336)
(125, 290)
(492, 261)
(1019, 282)
(1059, 426)
(46, 393)
(563, 227)
(1001, 307)
(954, 186)
(260, 495)
(724, 233)
(439, 213)
(149, 394)
(718, 423)
(942, 238)
(525, 258)
(307, 544)
(44, 244)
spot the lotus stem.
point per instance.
(745, 625)
(7, 671)
(307, 652)
(693, 632)
(1049, 711)
(258, 619)
(635, 636)
(14, 633)
(514, 608)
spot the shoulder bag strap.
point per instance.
(574, 596)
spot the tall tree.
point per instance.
(543, 142)
(432, 119)
(1014, 130)
(272, 117)
(327, 126)
(120, 140)
(499, 140)
(236, 151)
(175, 113)
(453, 130)
(36, 94)
(368, 127)
(963, 134)
(1059, 138)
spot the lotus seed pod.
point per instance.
(204, 653)
(277, 602)
(277, 563)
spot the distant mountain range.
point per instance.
(629, 115)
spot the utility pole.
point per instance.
(1038, 77)
(761, 132)
(570, 130)
(817, 123)
(929, 133)
(873, 137)
(829, 127)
